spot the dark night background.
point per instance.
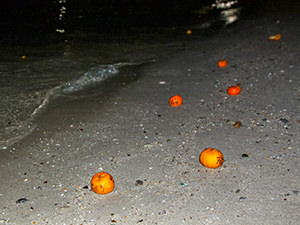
(20, 19)
(30, 15)
(25, 17)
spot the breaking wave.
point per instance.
(18, 129)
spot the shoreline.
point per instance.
(135, 135)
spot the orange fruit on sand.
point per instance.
(222, 63)
(102, 183)
(211, 158)
(275, 37)
(234, 90)
(175, 100)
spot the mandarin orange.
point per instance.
(211, 158)
(102, 183)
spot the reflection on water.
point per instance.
(219, 14)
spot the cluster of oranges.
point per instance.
(176, 100)
(103, 183)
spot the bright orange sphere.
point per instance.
(234, 90)
(222, 63)
(175, 100)
(211, 158)
(102, 183)
(275, 37)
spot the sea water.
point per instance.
(32, 75)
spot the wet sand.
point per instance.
(133, 134)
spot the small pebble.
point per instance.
(237, 124)
(21, 200)
(139, 182)
(284, 120)
(162, 212)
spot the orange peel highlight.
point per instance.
(222, 63)
(102, 183)
(188, 32)
(211, 158)
(175, 100)
(234, 90)
(275, 37)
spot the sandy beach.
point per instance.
(152, 150)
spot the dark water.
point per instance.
(50, 49)
(33, 21)
(93, 15)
